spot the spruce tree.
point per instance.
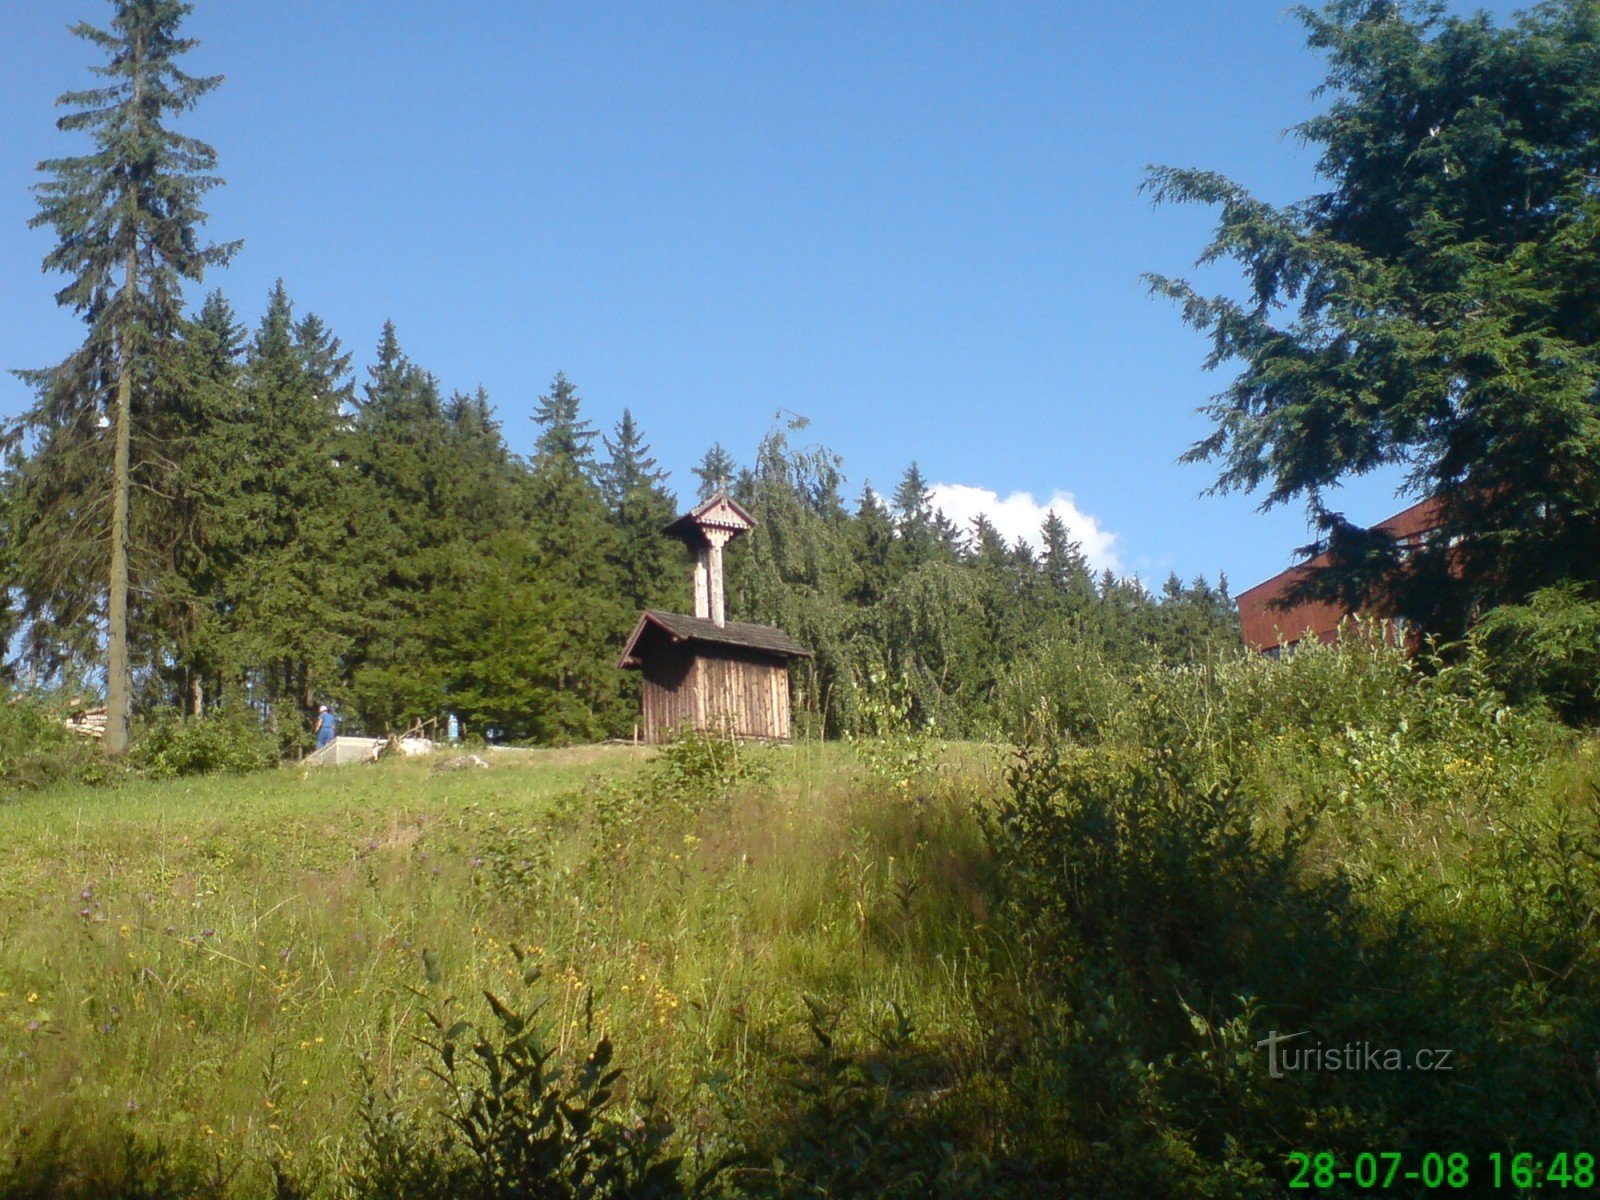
(715, 472)
(871, 537)
(652, 567)
(925, 534)
(574, 557)
(1432, 308)
(397, 475)
(1068, 580)
(203, 411)
(126, 215)
(563, 433)
(287, 589)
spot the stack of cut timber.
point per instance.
(91, 722)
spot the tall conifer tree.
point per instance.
(634, 486)
(126, 216)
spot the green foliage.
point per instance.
(37, 750)
(66, 1165)
(692, 779)
(1547, 649)
(1286, 846)
(864, 1125)
(513, 1123)
(226, 741)
(702, 767)
(1433, 308)
(126, 215)
(1067, 683)
(895, 747)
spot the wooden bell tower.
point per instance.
(705, 671)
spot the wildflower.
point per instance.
(33, 997)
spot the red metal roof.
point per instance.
(1264, 625)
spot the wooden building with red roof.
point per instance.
(1272, 629)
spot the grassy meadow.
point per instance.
(217, 964)
(884, 968)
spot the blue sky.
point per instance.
(917, 225)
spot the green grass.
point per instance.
(214, 962)
(871, 970)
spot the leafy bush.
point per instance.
(1179, 903)
(705, 766)
(1547, 649)
(1068, 684)
(893, 743)
(512, 1123)
(230, 741)
(37, 750)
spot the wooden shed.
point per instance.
(704, 671)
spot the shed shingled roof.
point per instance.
(682, 628)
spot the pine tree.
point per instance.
(1068, 580)
(563, 433)
(404, 538)
(925, 534)
(126, 216)
(203, 409)
(574, 554)
(288, 588)
(871, 537)
(651, 565)
(481, 483)
(1433, 308)
(715, 472)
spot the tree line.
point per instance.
(198, 514)
(220, 515)
(379, 546)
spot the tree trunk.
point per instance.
(119, 675)
(119, 672)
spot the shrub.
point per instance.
(36, 750)
(512, 1122)
(230, 741)
(1177, 904)
(1067, 683)
(1547, 649)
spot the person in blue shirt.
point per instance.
(327, 724)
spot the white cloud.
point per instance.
(1019, 515)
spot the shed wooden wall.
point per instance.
(712, 688)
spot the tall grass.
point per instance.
(212, 964)
(887, 969)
